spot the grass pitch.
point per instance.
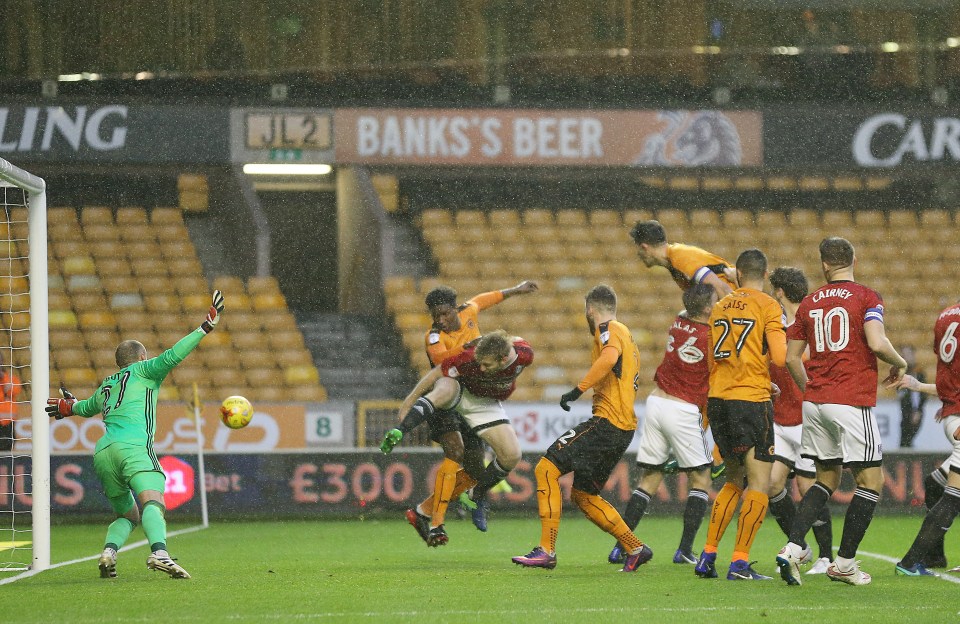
(379, 570)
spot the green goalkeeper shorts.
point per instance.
(117, 464)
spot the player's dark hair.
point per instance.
(441, 295)
(602, 296)
(836, 252)
(697, 299)
(752, 263)
(128, 352)
(493, 345)
(649, 232)
(792, 281)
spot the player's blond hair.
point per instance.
(493, 345)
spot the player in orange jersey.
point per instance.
(454, 327)
(687, 265)
(592, 449)
(746, 333)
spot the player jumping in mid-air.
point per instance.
(124, 458)
(674, 422)
(470, 385)
(454, 327)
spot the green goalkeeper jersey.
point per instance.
(128, 398)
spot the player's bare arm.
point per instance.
(909, 382)
(523, 288)
(882, 347)
(795, 350)
(723, 289)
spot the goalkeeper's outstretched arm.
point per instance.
(160, 366)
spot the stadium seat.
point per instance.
(96, 319)
(229, 284)
(301, 375)
(148, 267)
(261, 376)
(136, 250)
(297, 355)
(161, 303)
(307, 394)
(62, 215)
(79, 283)
(73, 378)
(63, 232)
(112, 266)
(268, 301)
(78, 265)
(901, 220)
(633, 215)
(131, 215)
(471, 219)
(503, 218)
(262, 284)
(281, 340)
(113, 284)
(88, 301)
(166, 216)
(96, 215)
(435, 217)
(537, 217)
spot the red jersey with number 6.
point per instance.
(842, 369)
(945, 337)
(683, 372)
(499, 385)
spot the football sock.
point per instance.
(492, 475)
(693, 512)
(636, 507)
(154, 525)
(784, 511)
(934, 526)
(463, 483)
(603, 514)
(823, 532)
(752, 512)
(808, 512)
(420, 411)
(933, 485)
(717, 458)
(443, 487)
(859, 514)
(118, 532)
(723, 508)
(549, 502)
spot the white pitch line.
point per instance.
(30, 573)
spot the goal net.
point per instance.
(24, 373)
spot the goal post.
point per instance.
(22, 190)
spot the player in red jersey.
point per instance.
(842, 325)
(789, 288)
(471, 383)
(946, 339)
(674, 422)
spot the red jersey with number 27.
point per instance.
(499, 385)
(842, 369)
(683, 372)
(946, 334)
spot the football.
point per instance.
(236, 412)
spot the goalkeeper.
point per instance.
(124, 458)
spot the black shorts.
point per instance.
(739, 426)
(591, 451)
(443, 422)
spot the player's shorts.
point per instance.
(591, 451)
(739, 426)
(950, 424)
(444, 421)
(118, 463)
(836, 434)
(786, 450)
(479, 412)
(673, 427)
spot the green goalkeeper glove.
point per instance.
(213, 315)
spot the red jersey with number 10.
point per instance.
(945, 337)
(842, 369)
(683, 372)
(499, 385)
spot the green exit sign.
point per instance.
(285, 154)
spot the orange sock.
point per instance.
(443, 490)
(602, 514)
(717, 459)
(723, 509)
(550, 503)
(752, 512)
(464, 483)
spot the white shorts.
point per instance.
(480, 412)
(674, 426)
(950, 424)
(836, 434)
(786, 449)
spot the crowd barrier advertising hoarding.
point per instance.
(352, 484)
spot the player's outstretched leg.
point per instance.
(108, 563)
(160, 560)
